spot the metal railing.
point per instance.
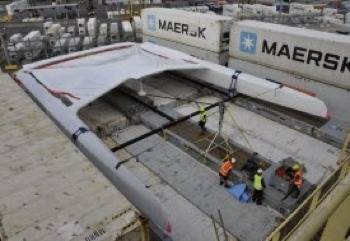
(294, 220)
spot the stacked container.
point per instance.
(102, 37)
(74, 44)
(137, 26)
(312, 54)
(71, 30)
(81, 26)
(127, 32)
(114, 33)
(88, 42)
(15, 47)
(92, 27)
(205, 31)
(33, 45)
(297, 8)
(46, 27)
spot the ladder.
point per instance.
(219, 229)
(345, 151)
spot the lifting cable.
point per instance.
(178, 98)
(232, 90)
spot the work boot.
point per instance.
(221, 183)
(227, 185)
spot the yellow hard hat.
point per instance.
(296, 167)
(201, 108)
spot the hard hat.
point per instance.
(296, 167)
(260, 171)
(233, 160)
(201, 108)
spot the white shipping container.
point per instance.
(347, 18)
(205, 31)
(329, 11)
(217, 58)
(47, 26)
(15, 38)
(61, 44)
(313, 54)
(101, 40)
(33, 44)
(12, 7)
(74, 44)
(92, 26)
(298, 8)
(88, 42)
(103, 29)
(62, 30)
(81, 22)
(54, 30)
(81, 26)
(127, 32)
(15, 53)
(232, 10)
(114, 33)
(71, 30)
(137, 24)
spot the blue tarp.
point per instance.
(240, 192)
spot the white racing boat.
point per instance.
(64, 84)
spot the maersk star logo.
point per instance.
(151, 22)
(248, 42)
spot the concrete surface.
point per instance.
(48, 189)
(270, 139)
(200, 185)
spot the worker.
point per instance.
(225, 170)
(251, 166)
(202, 118)
(296, 181)
(259, 185)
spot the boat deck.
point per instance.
(49, 190)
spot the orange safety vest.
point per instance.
(298, 179)
(225, 168)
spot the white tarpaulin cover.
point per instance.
(84, 76)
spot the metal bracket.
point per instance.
(233, 84)
(77, 133)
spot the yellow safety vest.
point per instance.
(257, 182)
(203, 116)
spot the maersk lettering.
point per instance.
(331, 61)
(313, 57)
(345, 65)
(268, 50)
(298, 54)
(182, 28)
(284, 50)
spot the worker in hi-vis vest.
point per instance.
(202, 118)
(225, 170)
(259, 185)
(296, 181)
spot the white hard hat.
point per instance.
(260, 171)
(233, 160)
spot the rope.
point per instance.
(177, 98)
(235, 124)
